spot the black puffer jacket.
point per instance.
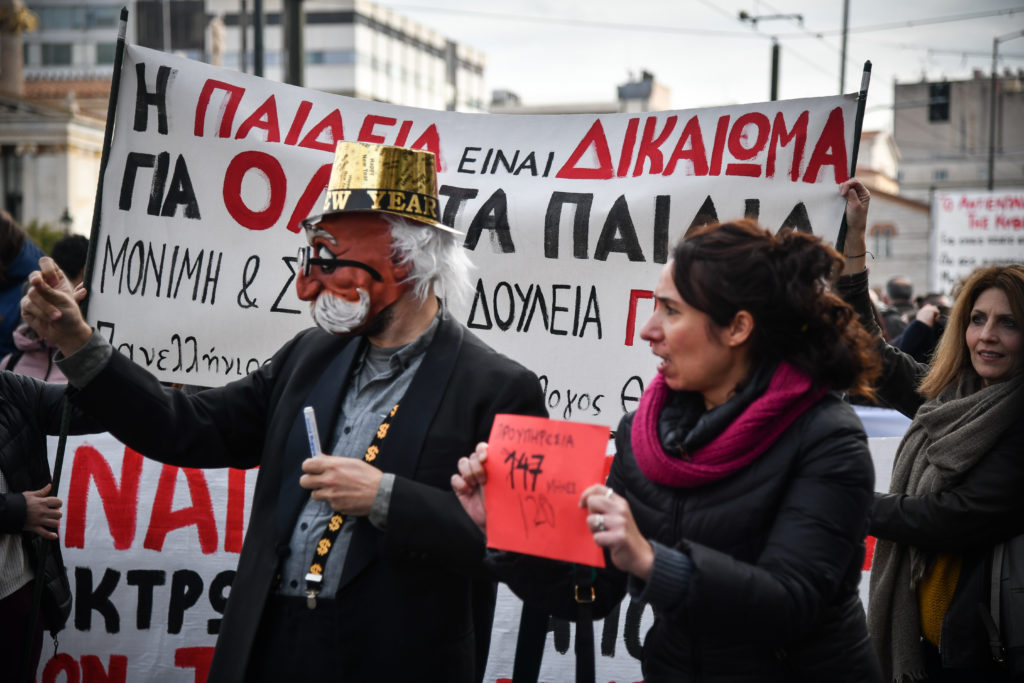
(29, 410)
(777, 550)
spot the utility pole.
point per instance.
(257, 37)
(842, 50)
(243, 29)
(752, 20)
(993, 104)
(294, 52)
(165, 20)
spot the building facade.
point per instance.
(49, 163)
(351, 47)
(49, 151)
(899, 227)
(636, 95)
(54, 99)
(359, 49)
(943, 133)
(899, 240)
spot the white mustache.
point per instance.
(338, 316)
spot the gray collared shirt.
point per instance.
(379, 380)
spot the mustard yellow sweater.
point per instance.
(934, 594)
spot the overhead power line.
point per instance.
(914, 47)
(721, 10)
(910, 23)
(574, 21)
(685, 30)
(958, 53)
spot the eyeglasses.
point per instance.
(306, 261)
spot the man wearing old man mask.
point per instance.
(358, 564)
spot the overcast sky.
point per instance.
(580, 50)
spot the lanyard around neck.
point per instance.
(314, 578)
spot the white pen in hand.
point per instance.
(311, 433)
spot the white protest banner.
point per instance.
(568, 218)
(151, 552)
(974, 229)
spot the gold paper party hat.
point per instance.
(381, 178)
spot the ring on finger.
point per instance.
(600, 523)
(608, 493)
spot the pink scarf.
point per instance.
(788, 395)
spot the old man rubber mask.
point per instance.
(348, 273)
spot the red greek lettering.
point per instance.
(595, 138)
(234, 97)
(120, 503)
(200, 514)
(264, 118)
(742, 152)
(277, 188)
(634, 296)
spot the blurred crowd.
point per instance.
(21, 349)
(913, 324)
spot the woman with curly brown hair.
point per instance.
(957, 481)
(737, 502)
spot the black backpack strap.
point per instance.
(583, 593)
(13, 359)
(991, 617)
(533, 632)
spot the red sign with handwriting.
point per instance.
(536, 470)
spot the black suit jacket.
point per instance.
(406, 597)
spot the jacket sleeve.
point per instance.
(221, 427)
(32, 408)
(49, 408)
(901, 374)
(918, 340)
(12, 513)
(984, 508)
(427, 523)
(817, 532)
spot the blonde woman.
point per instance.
(957, 483)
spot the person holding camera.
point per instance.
(922, 334)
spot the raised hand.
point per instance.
(468, 485)
(928, 314)
(50, 307)
(855, 248)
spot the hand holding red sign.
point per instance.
(536, 470)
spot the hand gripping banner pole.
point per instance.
(858, 124)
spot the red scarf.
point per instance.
(788, 395)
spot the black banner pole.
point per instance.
(858, 125)
(108, 134)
